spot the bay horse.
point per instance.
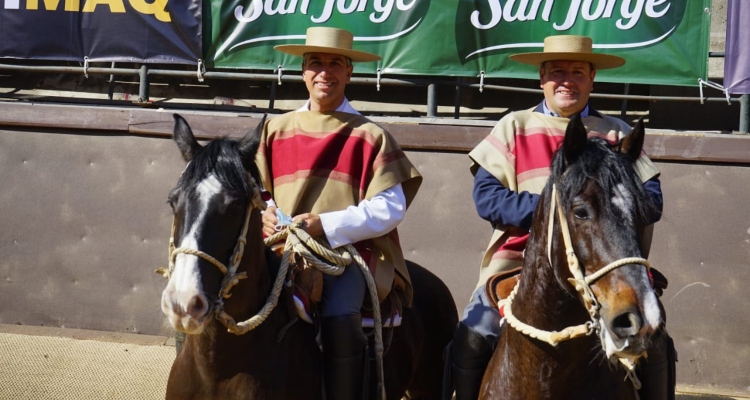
(217, 246)
(584, 310)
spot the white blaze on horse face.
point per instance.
(183, 300)
(651, 311)
(623, 200)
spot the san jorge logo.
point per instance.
(494, 27)
(251, 23)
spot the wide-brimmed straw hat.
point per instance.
(327, 40)
(569, 48)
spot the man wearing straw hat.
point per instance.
(510, 169)
(349, 182)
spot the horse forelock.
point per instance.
(611, 171)
(221, 158)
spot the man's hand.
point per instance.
(311, 224)
(269, 221)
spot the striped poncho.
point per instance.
(518, 152)
(322, 162)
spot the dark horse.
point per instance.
(584, 310)
(217, 246)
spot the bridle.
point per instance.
(581, 283)
(231, 277)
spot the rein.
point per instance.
(298, 241)
(581, 283)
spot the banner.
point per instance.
(664, 41)
(736, 55)
(149, 31)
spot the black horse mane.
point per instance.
(602, 162)
(222, 157)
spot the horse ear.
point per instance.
(575, 138)
(632, 144)
(248, 145)
(184, 138)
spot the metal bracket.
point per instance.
(481, 81)
(86, 66)
(377, 82)
(201, 70)
(279, 72)
(714, 85)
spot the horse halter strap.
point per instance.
(581, 283)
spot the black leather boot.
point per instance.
(657, 373)
(344, 357)
(470, 353)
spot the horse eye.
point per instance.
(581, 213)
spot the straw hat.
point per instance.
(569, 48)
(327, 40)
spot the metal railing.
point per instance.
(144, 73)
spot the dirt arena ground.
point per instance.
(42, 363)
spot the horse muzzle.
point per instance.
(627, 332)
(186, 311)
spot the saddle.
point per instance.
(305, 290)
(499, 286)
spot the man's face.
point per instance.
(326, 76)
(567, 85)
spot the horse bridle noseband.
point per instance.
(581, 283)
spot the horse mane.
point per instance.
(222, 158)
(601, 162)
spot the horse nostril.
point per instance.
(627, 324)
(197, 306)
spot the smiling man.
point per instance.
(510, 167)
(347, 180)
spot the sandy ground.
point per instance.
(43, 363)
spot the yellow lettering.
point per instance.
(156, 7)
(115, 6)
(51, 5)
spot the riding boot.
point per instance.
(470, 353)
(657, 372)
(344, 357)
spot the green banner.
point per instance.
(664, 41)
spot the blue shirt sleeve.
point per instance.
(500, 205)
(653, 188)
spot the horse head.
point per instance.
(604, 204)
(213, 203)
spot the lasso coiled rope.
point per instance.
(298, 241)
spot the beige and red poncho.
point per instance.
(518, 152)
(317, 162)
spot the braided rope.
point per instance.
(550, 337)
(614, 265)
(300, 242)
